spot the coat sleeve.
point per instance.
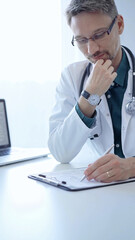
(67, 132)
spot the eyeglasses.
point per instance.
(80, 42)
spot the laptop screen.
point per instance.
(4, 131)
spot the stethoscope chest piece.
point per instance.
(130, 107)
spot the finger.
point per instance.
(112, 175)
(113, 170)
(111, 69)
(98, 163)
(111, 77)
(103, 171)
(89, 164)
(108, 176)
(114, 75)
(107, 63)
(99, 62)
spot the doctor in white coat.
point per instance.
(97, 116)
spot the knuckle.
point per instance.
(116, 163)
(96, 173)
(100, 61)
(97, 164)
(111, 155)
(111, 68)
(109, 61)
(108, 76)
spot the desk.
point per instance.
(31, 210)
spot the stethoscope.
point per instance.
(130, 106)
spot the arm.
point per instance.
(98, 83)
(68, 133)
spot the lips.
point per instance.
(95, 57)
(101, 56)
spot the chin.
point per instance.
(91, 60)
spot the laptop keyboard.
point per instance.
(12, 151)
(5, 152)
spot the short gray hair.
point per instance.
(75, 7)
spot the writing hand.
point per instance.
(109, 168)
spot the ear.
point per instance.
(120, 22)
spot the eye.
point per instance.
(99, 35)
(81, 40)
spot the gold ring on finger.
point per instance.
(108, 174)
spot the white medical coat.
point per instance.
(68, 133)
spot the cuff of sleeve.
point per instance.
(89, 122)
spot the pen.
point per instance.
(106, 152)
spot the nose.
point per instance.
(92, 47)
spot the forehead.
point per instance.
(86, 23)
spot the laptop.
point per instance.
(9, 154)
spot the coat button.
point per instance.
(108, 96)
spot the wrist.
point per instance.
(85, 107)
(93, 99)
(131, 164)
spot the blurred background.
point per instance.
(35, 46)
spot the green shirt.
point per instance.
(114, 97)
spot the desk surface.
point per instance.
(31, 210)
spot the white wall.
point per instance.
(30, 66)
(126, 9)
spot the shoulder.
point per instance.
(77, 66)
(75, 70)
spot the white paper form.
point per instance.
(71, 179)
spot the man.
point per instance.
(98, 115)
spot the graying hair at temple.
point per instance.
(75, 7)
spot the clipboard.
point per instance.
(69, 179)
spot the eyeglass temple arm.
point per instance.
(72, 42)
(110, 28)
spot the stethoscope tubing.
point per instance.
(133, 66)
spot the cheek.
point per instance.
(83, 50)
(113, 44)
(115, 40)
(116, 45)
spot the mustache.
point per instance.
(96, 54)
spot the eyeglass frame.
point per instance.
(108, 31)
